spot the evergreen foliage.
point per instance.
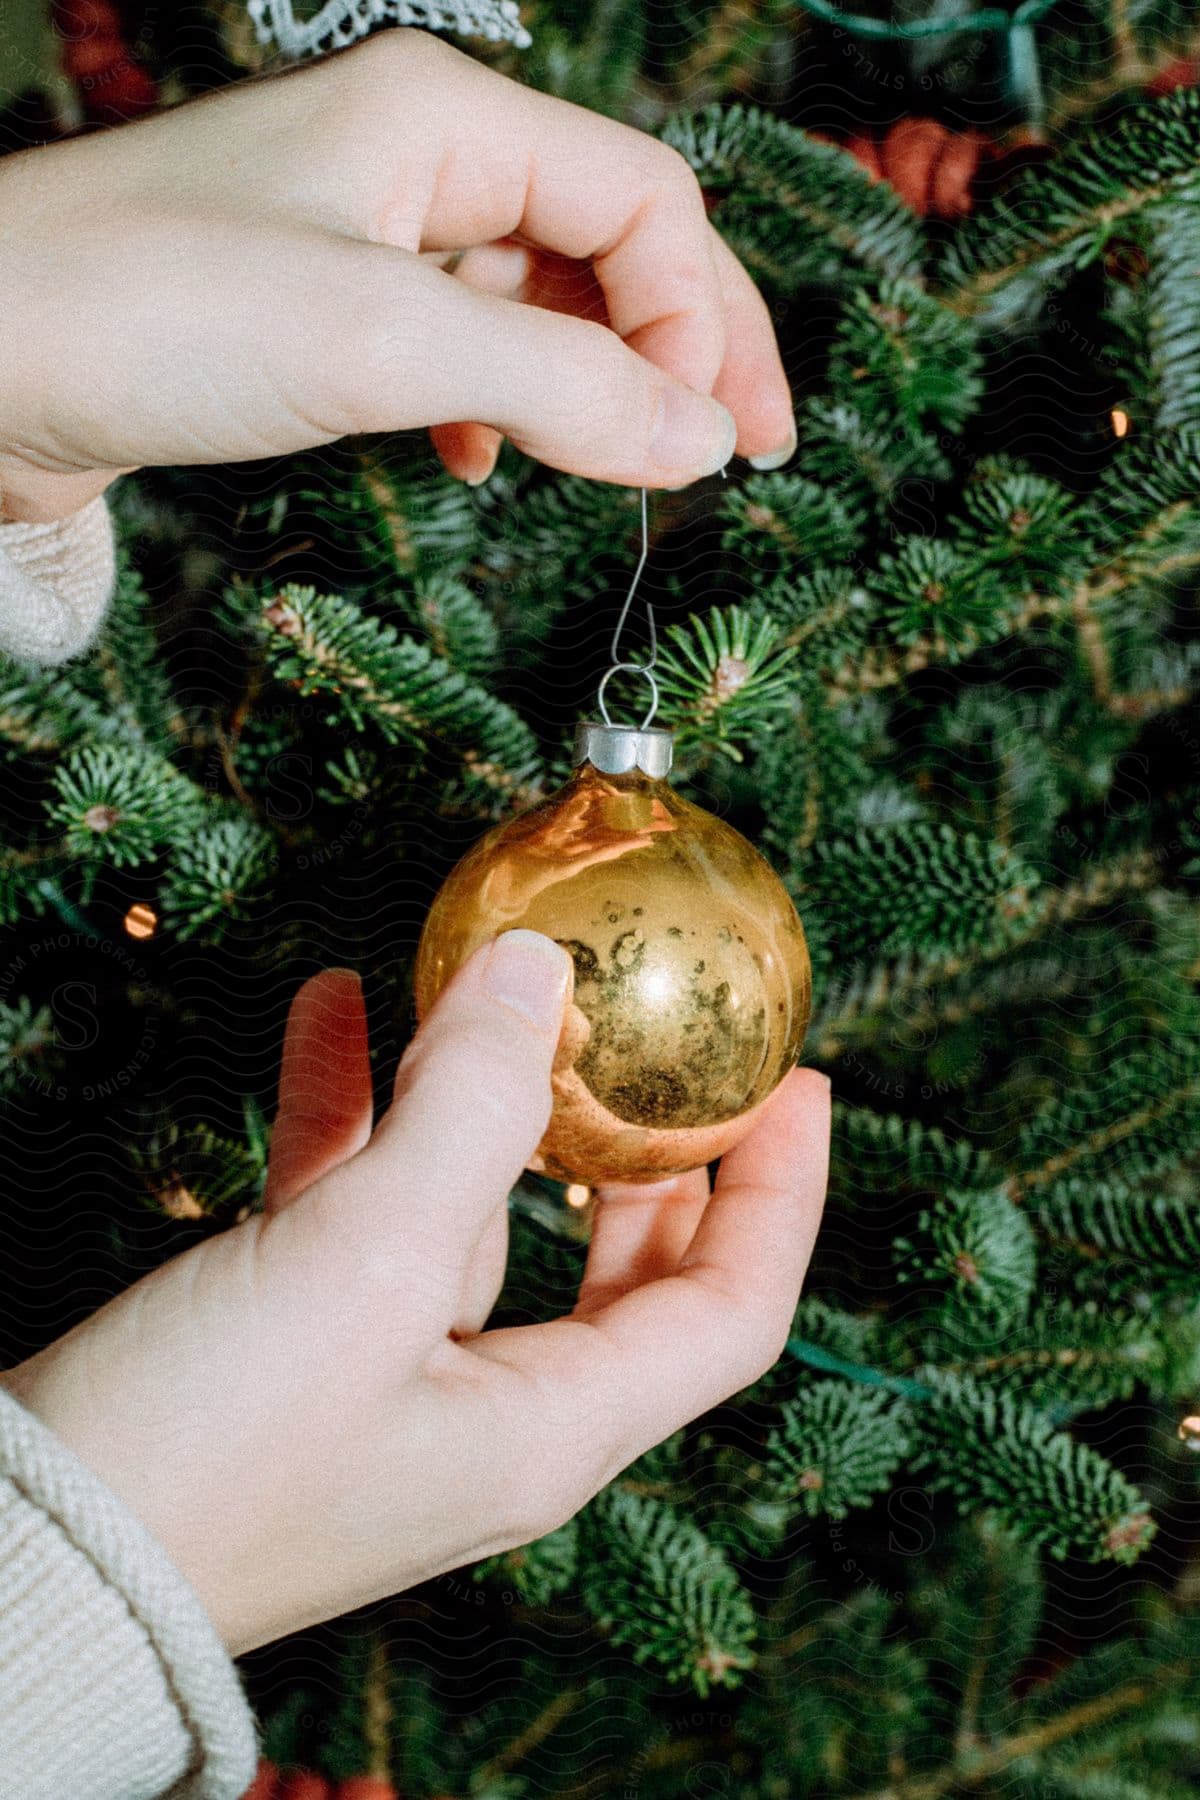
(666, 1591)
(835, 1447)
(982, 1444)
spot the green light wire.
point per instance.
(818, 1358)
(1024, 79)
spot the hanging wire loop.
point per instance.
(619, 665)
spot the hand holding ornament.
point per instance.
(307, 1410)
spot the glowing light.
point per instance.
(141, 921)
(1120, 422)
(578, 1194)
(1189, 1431)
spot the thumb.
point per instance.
(567, 391)
(472, 1092)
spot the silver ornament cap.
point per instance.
(619, 749)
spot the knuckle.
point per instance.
(765, 1339)
(754, 1325)
(568, 1449)
(390, 51)
(675, 172)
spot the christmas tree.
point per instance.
(943, 668)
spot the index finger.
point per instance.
(518, 163)
(418, 146)
(660, 1355)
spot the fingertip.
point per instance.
(672, 1187)
(468, 450)
(329, 995)
(693, 436)
(325, 1087)
(808, 1094)
(788, 1149)
(802, 1094)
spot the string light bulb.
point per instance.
(1189, 1431)
(141, 921)
(1120, 422)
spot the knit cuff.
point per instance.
(113, 1682)
(56, 581)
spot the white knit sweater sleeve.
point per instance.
(56, 581)
(113, 1682)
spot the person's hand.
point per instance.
(307, 1411)
(260, 271)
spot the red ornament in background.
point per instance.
(112, 85)
(265, 1784)
(1183, 72)
(271, 1783)
(932, 168)
(303, 1784)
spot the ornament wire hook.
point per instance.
(619, 667)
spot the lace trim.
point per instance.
(341, 22)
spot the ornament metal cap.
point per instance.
(618, 749)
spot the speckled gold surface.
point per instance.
(692, 981)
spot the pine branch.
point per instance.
(882, 1150)
(1123, 1216)
(537, 1572)
(1025, 528)
(900, 353)
(43, 710)
(855, 1004)
(981, 1612)
(814, 765)
(394, 507)
(784, 524)
(664, 1591)
(1073, 1356)
(456, 623)
(1148, 48)
(722, 676)
(836, 1446)
(1061, 217)
(975, 1256)
(923, 887)
(795, 210)
(864, 456)
(29, 1056)
(217, 875)
(939, 603)
(825, 615)
(983, 1446)
(323, 644)
(540, 539)
(195, 1172)
(981, 1766)
(1140, 1119)
(1172, 313)
(122, 805)
(131, 670)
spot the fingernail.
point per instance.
(695, 435)
(528, 973)
(775, 459)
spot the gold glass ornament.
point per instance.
(692, 984)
